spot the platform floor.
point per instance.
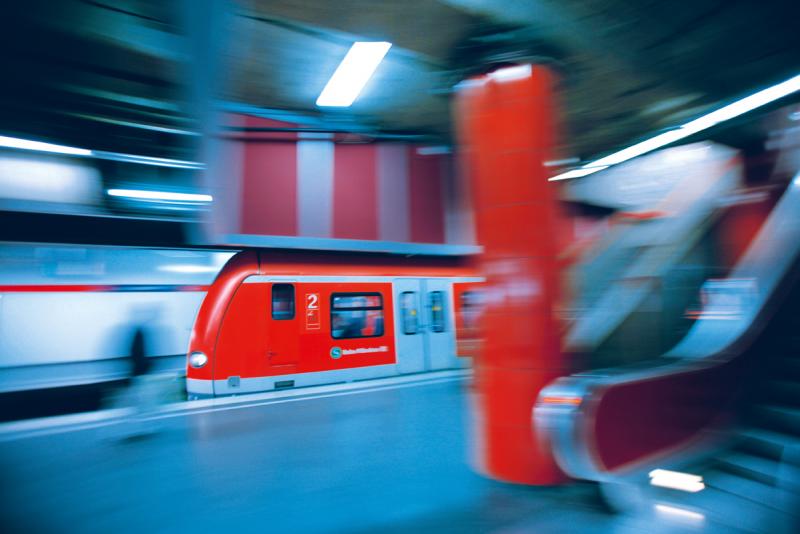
(383, 459)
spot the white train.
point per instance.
(68, 313)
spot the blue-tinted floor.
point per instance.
(393, 460)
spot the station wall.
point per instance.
(339, 186)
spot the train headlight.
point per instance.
(197, 360)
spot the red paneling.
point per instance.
(739, 225)
(355, 200)
(258, 122)
(634, 421)
(252, 344)
(269, 189)
(269, 186)
(425, 202)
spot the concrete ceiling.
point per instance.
(628, 68)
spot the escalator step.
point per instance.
(766, 443)
(751, 490)
(749, 466)
(722, 503)
(780, 418)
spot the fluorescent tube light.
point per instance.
(38, 146)
(699, 124)
(676, 480)
(577, 173)
(26, 144)
(561, 162)
(517, 72)
(147, 160)
(159, 195)
(674, 512)
(644, 147)
(353, 73)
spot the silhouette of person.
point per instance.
(140, 363)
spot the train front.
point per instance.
(202, 344)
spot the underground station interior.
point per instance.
(379, 266)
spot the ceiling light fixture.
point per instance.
(725, 113)
(26, 144)
(148, 160)
(673, 512)
(159, 195)
(676, 480)
(516, 72)
(580, 172)
(353, 73)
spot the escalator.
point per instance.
(648, 270)
(753, 482)
(723, 404)
(658, 279)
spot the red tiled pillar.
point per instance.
(506, 131)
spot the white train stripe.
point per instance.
(262, 278)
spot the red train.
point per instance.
(274, 320)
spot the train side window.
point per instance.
(356, 315)
(437, 311)
(470, 308)
(282, 302)
(408, 311)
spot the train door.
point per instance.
(409, 332)
(439, 328)
(282, 337)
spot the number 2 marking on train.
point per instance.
(312, 311)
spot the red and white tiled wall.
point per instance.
(315, 185)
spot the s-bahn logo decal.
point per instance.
(338, 352)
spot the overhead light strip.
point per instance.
(725, 113)
(578, 173)
(353, 73)
(673, 512)
(141, 194)
(38, 146)
(147, 160)
(507, 74)
(676, 480)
